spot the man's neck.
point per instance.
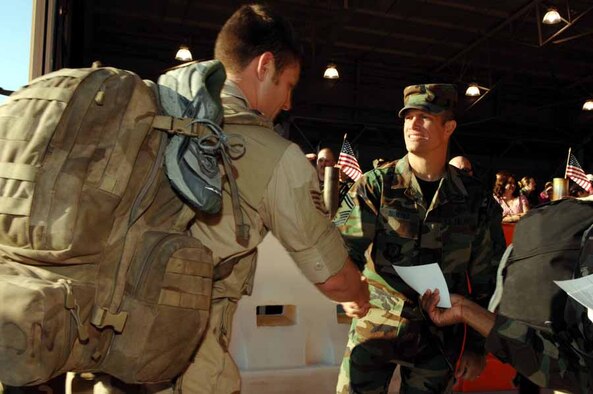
(428, 169)
(247, 89)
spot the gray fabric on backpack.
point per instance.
(497, 296)
(193, 91)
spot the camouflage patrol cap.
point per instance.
(433, 97)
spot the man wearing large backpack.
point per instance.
(95, 241)
(278, 187)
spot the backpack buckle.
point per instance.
(102, 318)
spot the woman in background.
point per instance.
(505, 192)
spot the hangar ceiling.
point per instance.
(539, 75)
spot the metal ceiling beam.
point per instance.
(408, 37)
(568, 25)
(467, 7)
(489, 34)
(421, 21)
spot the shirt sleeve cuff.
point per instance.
(324, 259)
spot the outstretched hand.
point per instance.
(442, 316)
(360, 307)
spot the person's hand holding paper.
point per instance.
(426, 277)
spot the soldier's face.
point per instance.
(275, 90)
(425, 133)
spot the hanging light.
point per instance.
(183, 54)
(331, 72)
(473, 90)
(552, 17)
(588, 106)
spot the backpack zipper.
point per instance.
(134, 215)
(150, 254)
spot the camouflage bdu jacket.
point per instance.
(386, 211)
(541, 356)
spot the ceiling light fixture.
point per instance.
(588, 106)
(473, 90)
(331, 72)
(552, 17)
(183, 54)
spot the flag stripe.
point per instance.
(576, 173)
(348, 163)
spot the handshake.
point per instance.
(349, 288)
(360, 305)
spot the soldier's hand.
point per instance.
(360, 307)
(353, 309)
(442, 316)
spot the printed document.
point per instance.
(581, 289)
(426, 277)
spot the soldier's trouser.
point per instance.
(381, 340)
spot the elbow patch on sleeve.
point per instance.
(324, 259)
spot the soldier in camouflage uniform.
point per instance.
(560, 357)
(414, 211)
(548, 359)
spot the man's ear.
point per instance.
(450, 126)
(265, 64)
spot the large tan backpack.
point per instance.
(97, 272)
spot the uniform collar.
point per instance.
(450, 187)
(234, 101)
(231, 89)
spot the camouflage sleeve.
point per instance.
(487, 249)
(356, 217)
(536, 355)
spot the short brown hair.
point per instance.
(253, 30)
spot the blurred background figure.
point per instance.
(546, 194)
(463, 164)
(344, 186)
(576, 191)
(325, 158)
(506, 193)
(527, 185)
(378, 162)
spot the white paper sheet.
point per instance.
(426, 277)
(581, 289)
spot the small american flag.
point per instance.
(348, 163)
(576, 173)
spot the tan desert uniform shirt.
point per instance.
(279, 193)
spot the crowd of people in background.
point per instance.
(514, 197)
